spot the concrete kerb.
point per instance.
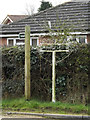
(55, 116)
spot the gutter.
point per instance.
(9, 35)
(78, 33)
(55, 116)
(39, 34)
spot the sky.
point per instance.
(18, 7)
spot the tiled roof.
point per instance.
(74, 13)
(15, 18)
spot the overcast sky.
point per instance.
(18, 7)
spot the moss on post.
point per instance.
(27, 62)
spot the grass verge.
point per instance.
(46, 107)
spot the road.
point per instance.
(29, 117)
(42, 119)
(35, 117)
(26, 119)
(22, 117)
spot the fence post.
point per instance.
(53, 76)
(27, 62)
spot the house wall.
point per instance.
(44, 40)
(3, 41)
(88, 38)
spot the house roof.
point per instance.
(72, 13)
(13, 18)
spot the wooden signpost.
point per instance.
(53, 70)
(27, 65)
(27, 62)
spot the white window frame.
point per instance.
(20, 43)
(77, 38)
(85, 36)
(14, 41)
(34, 38)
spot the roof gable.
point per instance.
(13, 18)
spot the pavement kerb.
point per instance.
(51, 115)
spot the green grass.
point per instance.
(46, 107)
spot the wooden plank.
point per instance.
(27, 62)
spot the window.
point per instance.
(14, 41)
(74, 39)
(10, 42)
(81, 39)
(20, 42)
(34, 41)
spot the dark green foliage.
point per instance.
(72, 73)
(44, 5)
(13, 71)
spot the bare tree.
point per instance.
(30, 9)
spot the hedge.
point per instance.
(72, 73)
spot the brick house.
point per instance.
(13, 18)
(76, 13)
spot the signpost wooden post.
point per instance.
(27, 62)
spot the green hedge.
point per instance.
(71, 73)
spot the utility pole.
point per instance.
(27, 62)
